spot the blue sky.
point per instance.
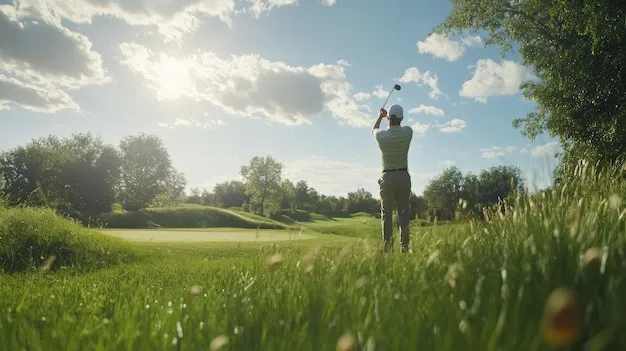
(221, 81)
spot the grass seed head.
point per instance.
(591, 259)
(195, 290)
(274, 261)
(347, 342)
(561, 321)
(218, 343)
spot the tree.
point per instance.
(87, 180)
(194, 196)
(207, 198)
(443, 192)
(263, 177)
(499, 183)
(173, 191)
(418, 206)
(230, 194)
(146, 170)
(362, 201)
(577, 50)
(76, 175)
(286, 195)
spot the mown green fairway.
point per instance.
(208, 235)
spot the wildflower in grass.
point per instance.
(218, 343)
(195, 290)
(347, 342)
(274, 261)
(561, 322)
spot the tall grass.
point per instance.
(32, 238)
(481, 286)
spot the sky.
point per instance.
(222, 81)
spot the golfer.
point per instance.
(395, 181)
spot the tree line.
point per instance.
(82, 176)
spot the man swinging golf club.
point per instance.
(395, 181)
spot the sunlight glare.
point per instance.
(174, 78)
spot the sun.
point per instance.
(173, 78)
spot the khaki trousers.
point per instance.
(395, 193)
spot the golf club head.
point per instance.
(397, 87)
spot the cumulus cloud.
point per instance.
(32, 97)
(209, 124)
(380, 92)
(257, 7)
(360, 96)
(429, 110)
(49, 57)
(249, 85)
(495, 79)
(334, 177)
(454, 126)
(497, 151)
(546, 150)
(172, 19)
(441, 46)
(329, 2)
(414, 75)
(344, 63)
(420, 128)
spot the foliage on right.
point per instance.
(577, 50)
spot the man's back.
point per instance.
(394, 145)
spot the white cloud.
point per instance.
(208, 124)
(495, 79)
(497, 151)
(447, 163)
(45, 99)
(454, 126)
(441, 46)
(420, 127)
(172, 19)
(344, 63)
(260, 6)
(546, 150)
(380, 92)
(413, 75)
(472, 40)
(50, 57)
(249, 85)
(329, 2)
(429, 110)
(360, 96)
(333, 177)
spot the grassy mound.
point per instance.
(187, 216)
(292, 216)
(32, 237)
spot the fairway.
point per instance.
(207, 235)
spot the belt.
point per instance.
(394, 170)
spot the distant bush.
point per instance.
(186, 216)
(30, 236)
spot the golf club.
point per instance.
(395, 87)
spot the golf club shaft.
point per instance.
(391, 92)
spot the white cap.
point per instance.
(396, 110)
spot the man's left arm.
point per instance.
(381, 115)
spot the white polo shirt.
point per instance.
(394, 145)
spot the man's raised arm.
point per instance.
(381, 115)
